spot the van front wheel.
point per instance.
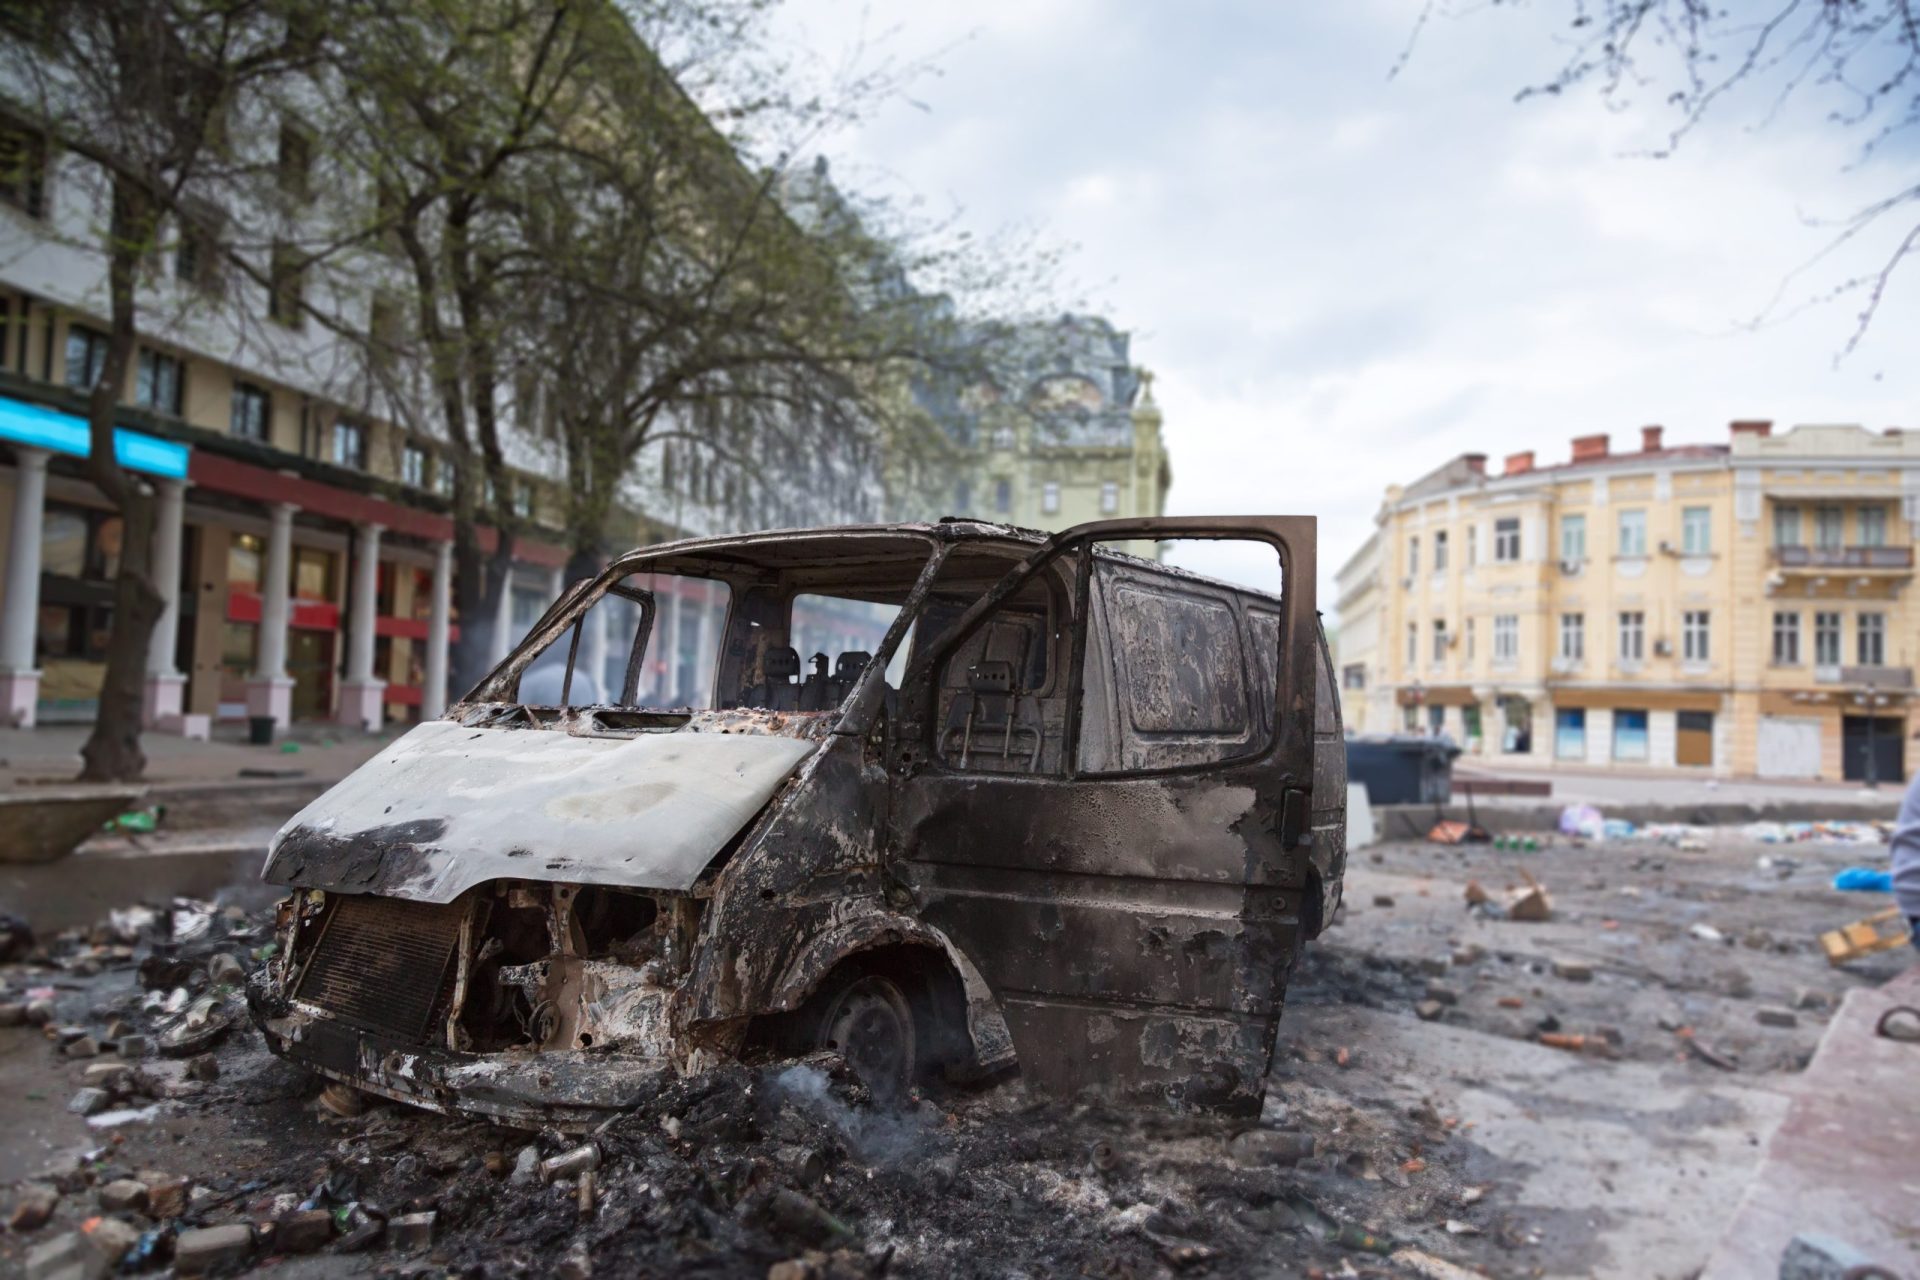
(868, 1020)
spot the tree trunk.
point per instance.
(112, 752)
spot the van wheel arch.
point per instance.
(902, 989)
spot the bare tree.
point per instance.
(1857, 60)
(142, 90)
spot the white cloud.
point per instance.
(1344, 279)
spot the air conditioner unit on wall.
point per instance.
(1663, 648)
(1570, 567)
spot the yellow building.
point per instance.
(1739, 609)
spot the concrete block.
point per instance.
(1811, 1256)
(411, 1231)
(198, 1252)
(303, 1231)
(89, 1102)
(123, 1195)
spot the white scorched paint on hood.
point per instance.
(447, 807)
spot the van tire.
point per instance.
(904, 1010)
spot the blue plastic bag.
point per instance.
(1864, 880)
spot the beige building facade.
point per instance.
(1736, 608)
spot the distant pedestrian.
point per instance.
(1906, 859)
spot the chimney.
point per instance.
(1753, 427)
(1519, 463)
(1476, 463)
(1650, 439)
(1587, 448)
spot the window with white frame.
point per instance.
(1573, 637)
(1439, 641)
(1470, 639)
(1110, 497)
(1506, 637)
(160, 383)
(1633, 635)
(1826, 639)
(1573, 538)
(1050, 498)
(1633, 533)
(1695, 627)
(413, 466)
(1473, 545)
(1506, 539)
(1786, 525)
(1870, 639)
(1413, 644)
(350, 445)
(1413, 556)
(1786, 638)
(1873, 526)
(1440, 551)
(252, 413)
(1696, 531)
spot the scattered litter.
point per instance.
(1707, 933)
(1425, 1264)
(1864, 880)
(1882, 931)
(1582, 820)
(1530, 904)
(124, 1115)
(1831, 832)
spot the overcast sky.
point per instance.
(1342, 279)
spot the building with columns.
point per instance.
(1736, 608)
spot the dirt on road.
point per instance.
(1454, 1093)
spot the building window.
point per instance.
(1413, 644)
(86, 356)
(1629, 735)
(1786, 525)
(295, 168)
(196, 256)
(523, 499)
(413, 466)
(252, 412)
(1870, 639)
(350, 445)
(1050, 498)
(1439, 641)
(1506, 638)
(1470, 640)
(1413, 557)
(312, 574)
(1573, 539)
(1826, 639)
(1696, 531)
(245, 552)
(1353, 676)
(1506, 539)
(1633, 636)
(1829, 528)
(1003, 438)
(1633, 533)
(443, 477)
(1003, 495)
(286, 279)
(1694, 630)
(1440, 552)
(23, 170)
(1786, 639)
(1473, 545)
(1873, 526)
(1110, 497)
(158, 383)
(1573, 637)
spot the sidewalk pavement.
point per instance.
(1604, 787)
(50, 754)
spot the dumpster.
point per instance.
(1402, 769)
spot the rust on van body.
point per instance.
(1083, 838)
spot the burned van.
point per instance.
(949, 797)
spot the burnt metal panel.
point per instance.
(382, 963)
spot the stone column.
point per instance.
(433, 699)
(20, 614)
(161, 704)
(362, 693)
(270, 691)
(503, 636)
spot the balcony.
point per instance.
(1865, 677)
(1823, 559)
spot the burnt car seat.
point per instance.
(846, 672)
(778, 692)
(992, 713)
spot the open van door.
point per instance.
(1106, 795)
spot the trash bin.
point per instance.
(260, 730)
(1402, 769)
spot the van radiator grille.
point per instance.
(382, 963)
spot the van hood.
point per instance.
(447, 807)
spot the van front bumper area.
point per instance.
(569, 1090)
